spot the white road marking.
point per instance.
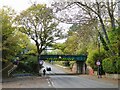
(50, 83)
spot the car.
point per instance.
(48, 68)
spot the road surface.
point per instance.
(54, 69)
(53, 80)
(74, 81)
(78, 82)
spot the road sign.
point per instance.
(40, 62)
(98, 63)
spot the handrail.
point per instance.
(14, 67)
(5, 67)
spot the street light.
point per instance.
(98, 63)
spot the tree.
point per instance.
(39, 24)
(8, 42)
(115, 40)
(71, 44)
(13, 41)
(101, 11)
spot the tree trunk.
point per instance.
(38, 56)
(111, 13)
(106, 36)
(104, 30)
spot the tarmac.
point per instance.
(38, 81)
(93, 77)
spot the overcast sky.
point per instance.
(19, 5)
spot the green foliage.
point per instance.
(82, 50)
(56, 52)
(10, 41)
(111, 65)
(7, 31)
(71, 44)
(13, 41)
(80, 36)
(31, 52)
(60, 46)
(118, 65)
(108, 65)
(29, 64)
(39, 24)
(114, 36)
(93, 56)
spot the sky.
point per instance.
(19, 5)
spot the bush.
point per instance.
(93, 56)
(118, 65)
(28, 65)
(111, 65)
(108, 65)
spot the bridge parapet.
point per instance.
(64, 57)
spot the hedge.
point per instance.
(93, 56)
(111, 65)
(118, 65)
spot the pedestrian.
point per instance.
(44, 72)
(99, 73)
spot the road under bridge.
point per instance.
(80, 60)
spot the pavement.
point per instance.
(26, 82)
(103, 79)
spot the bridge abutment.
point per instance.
(81, 67)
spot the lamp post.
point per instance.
(98, 63)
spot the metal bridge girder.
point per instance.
(64, 57)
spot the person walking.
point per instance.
(99, 73)
(44, 72)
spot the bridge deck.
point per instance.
(64, 57)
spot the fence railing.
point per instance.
(6, 71)
(12, 69)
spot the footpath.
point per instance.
(26, 82)
(103, 79)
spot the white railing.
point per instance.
(12, 69)
(5, 68)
